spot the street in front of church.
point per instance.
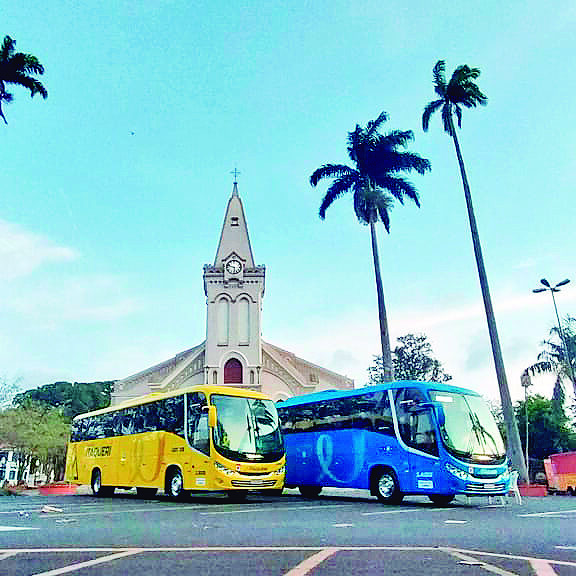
(339, 532)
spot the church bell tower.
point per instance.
(234, 288)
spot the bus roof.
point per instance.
(334, 394)
(153, 396)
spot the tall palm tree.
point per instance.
(375, 182)
(462, 91)
(18, 68)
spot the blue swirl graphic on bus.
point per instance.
(354, 457)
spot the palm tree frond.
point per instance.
(339, 187)
(329, 171)
(439, 73)
(399, 188)
(430, 109)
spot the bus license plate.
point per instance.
(490, 486)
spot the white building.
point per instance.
(234, 353)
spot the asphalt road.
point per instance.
(341, 532)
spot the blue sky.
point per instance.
(113, 189)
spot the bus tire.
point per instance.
(174, 483)
(310, 491)
(441, 499)
(386, 487)
(237, 495)
(146, 492)
(96, 484)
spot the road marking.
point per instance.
(455, 521)
(255, 510)
(469, 554)
(387, 512)
(542, 568)
(509, 556)
(540, 514)
(310, 563)
(476, 562)
(342, 525)
(13, 528)
(5, 555)
(565, 547)
(96, 561)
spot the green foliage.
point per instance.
(413, 360)
(37, 433)
(18, 68)
(374, 180)
(549, 430)
(71, 399)
(460, 91)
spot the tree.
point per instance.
(558, 357)
(463, 91)
(72, 399)
(18, 68)
(36, 433)
(375, 182)
(412, 360)
(549, 430)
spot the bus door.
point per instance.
(418, 433)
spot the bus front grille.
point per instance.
(482, 488)
(253, 483)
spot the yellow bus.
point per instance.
(202, 438)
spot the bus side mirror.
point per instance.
(212, 416)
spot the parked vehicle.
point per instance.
(561, 472)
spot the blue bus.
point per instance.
(394, 439)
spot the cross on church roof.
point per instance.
(235, 172)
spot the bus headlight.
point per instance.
(223, 469)
(280, 471)
(458, 472)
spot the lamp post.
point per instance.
(552, 290)
(526, 382)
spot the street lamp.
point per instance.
(552, 290)
(526, 383)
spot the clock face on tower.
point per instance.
(233, 266)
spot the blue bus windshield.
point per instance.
(468, 429)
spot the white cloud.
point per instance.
(22, 252)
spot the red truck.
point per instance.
(561, 472)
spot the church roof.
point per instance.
(234, 236)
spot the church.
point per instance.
(234, 353)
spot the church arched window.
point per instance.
(244, 321)
(233, 372)
(223, 309)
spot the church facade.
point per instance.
(234, 353)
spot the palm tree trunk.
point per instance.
(512, 435)
(387, 367)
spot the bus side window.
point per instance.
(171, 415)
(415, 425)
(198, 432)
(383, 421)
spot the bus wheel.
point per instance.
(237, 495)
(310, 491)
(387, 488)
(441, 499)
(146, 492)
(174, 483)
(96, 485)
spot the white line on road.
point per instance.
(254, 510)
(379, 513)
(475, 561)
(540, 514)
(14, 528)
(310, 563)
(96, 561)
(542, 568)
